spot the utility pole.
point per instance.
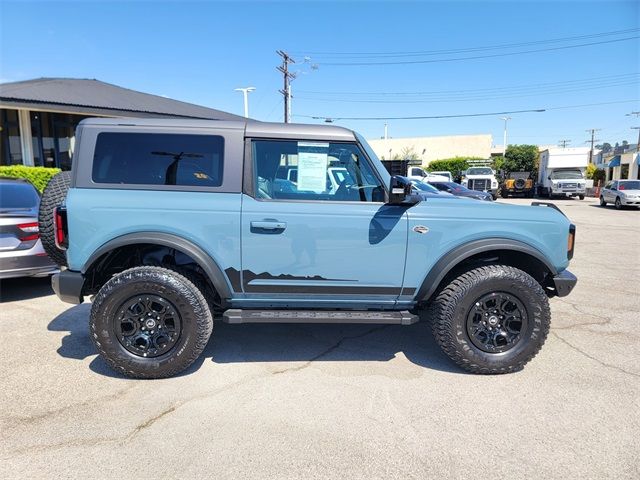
(636, 114)
(504, 140)
(564, 142)
(638, 144)
(593, 140)
(288, 76)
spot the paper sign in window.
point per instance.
(312, 166)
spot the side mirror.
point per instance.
(400, 191)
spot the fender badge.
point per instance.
(421, 229)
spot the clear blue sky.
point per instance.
(199, 52)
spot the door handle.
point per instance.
(270, 225)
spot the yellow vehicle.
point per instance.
(518, 183)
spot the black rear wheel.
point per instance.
(54, 195)
(150, 322)
(492, 319)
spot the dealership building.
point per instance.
(38, 117)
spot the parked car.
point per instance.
(427, 190)
(170, 222)
(21, 252)
(518, 183)
(621, 193)
(460, 191)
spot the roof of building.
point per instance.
(93, 97)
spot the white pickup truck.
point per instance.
(482, 179)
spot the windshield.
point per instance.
(566, 174)
(424, 187)
(18, 196)
(377, 164)
(480, 171)
(631, 185)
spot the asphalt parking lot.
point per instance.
(330, 401)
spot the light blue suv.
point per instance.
(172, 223)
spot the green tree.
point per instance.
(521, 158)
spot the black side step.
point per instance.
(236, 315)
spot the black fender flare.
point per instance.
(211, 268)
(460, 253)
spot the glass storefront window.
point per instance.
(10, 146)
(54, 138)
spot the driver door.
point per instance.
(315, 241)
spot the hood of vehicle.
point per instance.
(477, 176)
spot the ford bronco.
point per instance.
(168, 224)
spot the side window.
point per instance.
(313, 170)
(158, 159)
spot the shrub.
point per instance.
(453, 165)
(38, 176)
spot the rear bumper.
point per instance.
(68, 286)
(564, 283)
(26, 266)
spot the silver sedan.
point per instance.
(21, 252)
(621, 193)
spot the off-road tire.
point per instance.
(54, 194)
(449, 311)
(602, 202)
(196, 320)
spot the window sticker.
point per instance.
(312, 166)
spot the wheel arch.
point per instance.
(479, 252)
(208, 265)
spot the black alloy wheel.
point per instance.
(495, 322)
(148, 325)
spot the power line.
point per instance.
(469, 49)
(475, 57)
(332, 118)
(620, 77)
(458, 98)
(564, 142)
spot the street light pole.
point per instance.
(245, 91)
(504, 140)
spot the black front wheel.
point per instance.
(618, 204)
(492, 319)
(150, 322)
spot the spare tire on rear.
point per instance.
(53, 196)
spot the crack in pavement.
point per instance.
(17, 421)
(137, 429)
(604, 364)
(327, 351)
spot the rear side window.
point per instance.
(158, 159)
(18, 196)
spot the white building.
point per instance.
(434, 148)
